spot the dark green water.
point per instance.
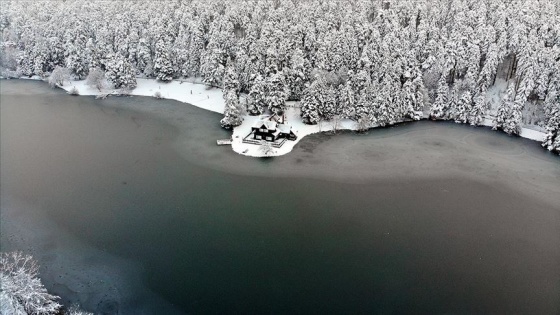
(230, 234)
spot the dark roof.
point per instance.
(270, 125)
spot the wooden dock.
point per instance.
(224, 142)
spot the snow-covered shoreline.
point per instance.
(193, 92)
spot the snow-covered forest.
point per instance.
(375, 62)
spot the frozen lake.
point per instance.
(129, 206)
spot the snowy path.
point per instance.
(200, 95)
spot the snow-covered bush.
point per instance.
(22, 292)
(11, 74)
(157, 95)
(74, 91)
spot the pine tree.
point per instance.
(478, 109)
(231, 81)
(75, 50)
(120, 72)
(552, 139)
(513, 123)
(144, 58)
(276, 93)
(296, 75)
(408, 104)
(213, 68)
(386, 97)
(232, 111)
(328, 105)
(504, 109)
(463, 106)
(309, 105)
(257, 97)
(489, 69)
(347, 100)
(196, 48)
(440, 105)
(363, 114)
(163, 61)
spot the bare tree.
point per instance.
(75, 310)
(363, 124)
(335, 123)
(22, 291)
(96, 79)
(267, 148)
(58, 76)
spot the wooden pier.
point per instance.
(224, 142)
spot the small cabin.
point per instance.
(271, 131)
(287, 132)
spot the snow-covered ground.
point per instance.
(195, 93)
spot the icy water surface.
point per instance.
(131, 208)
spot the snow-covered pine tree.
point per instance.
(276, 93)
(503, 112)
(363, 114)
(440, 105)
(231, 79)
(329, 106)
(296, 76)
(386, 96)
(120, 72)
(163, 60)
(256, 100)
(196, 48)
(489, 69)
(478, 109)
(463, 106)
(513, 123)
(232, 110)
(420, 89)
(453, 100)
(75, 49)
(240, 64)
(347, 100)
(144, 58)
(309, 105)
(40, 58)
(408, 103)
(526, 86)
(552, 139)
(212, 68)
